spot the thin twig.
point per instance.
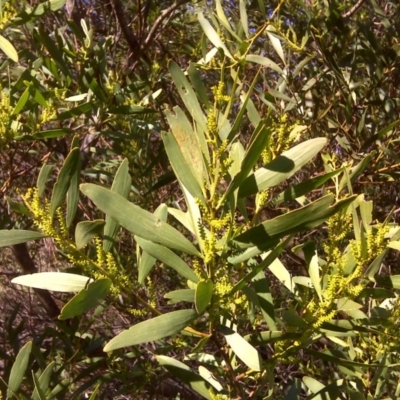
(353, 9)
(165, 14)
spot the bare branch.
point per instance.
(353, 9)
(165, 14)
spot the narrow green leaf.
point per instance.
(312, 384)
(186, 375)
(263, 338)
(146, 262)
(276, 43)
(203, 296)
(77, 97)
(208, 376)
(179, 295)
(84, 108)
(191, 102)
(137, 220)
(73, 190)
(13, 236)
(18, 370)
(130, 109)
(152, 329)
(224, 21)
(366, 209)
(301, 189)
(356, 171)
(168, 257)
(44, 174)
(306, 217)
(122, 185)
(38, 390)
(55, 281)
(212, 35)
(60, 188)
(310, 253)
(282, 167)
(345, 304)
(337, 358)
(262, 266)
(258, 143)
(283, 275)
(242, 348)
(23, 99)
(195, 216)
(44, 380)
(51, 5)
(181, 166)
(238, 120)
(198, 84)
(264, 299)
(279, 95)
(243, 17)
(265, 62)
(86, 299)
(8, 49)
(188, 143)
(329, 392)
(52, 47)
(49, 134)
(85, 231)
(19, 208)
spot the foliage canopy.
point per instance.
(202, 197)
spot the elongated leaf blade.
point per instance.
(276, 43)
(203, 295)
(282, 167)
(85, 231)
(311, 255)
(265, 62)
(253, 152)
(73, 190)
(44, 380)
(44, 174)
(8, 49)
(191, 102)
(86, 299)
(121, 185)
(68, 170)
(137, 220)
(18, 369)
(242, 348)
(187, 142)
(301, 189)
(180, 295)
(14, 236)
(186, 375)
(168, 257)
(181, 166)
(146, 262)
(212, 35)
(295, 221)
(152, 329)
(55, 281)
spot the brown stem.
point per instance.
(165, 14)
(353, 9)
(234, 380)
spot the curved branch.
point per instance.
(353, 9)
(130, 37)
(164, 15)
